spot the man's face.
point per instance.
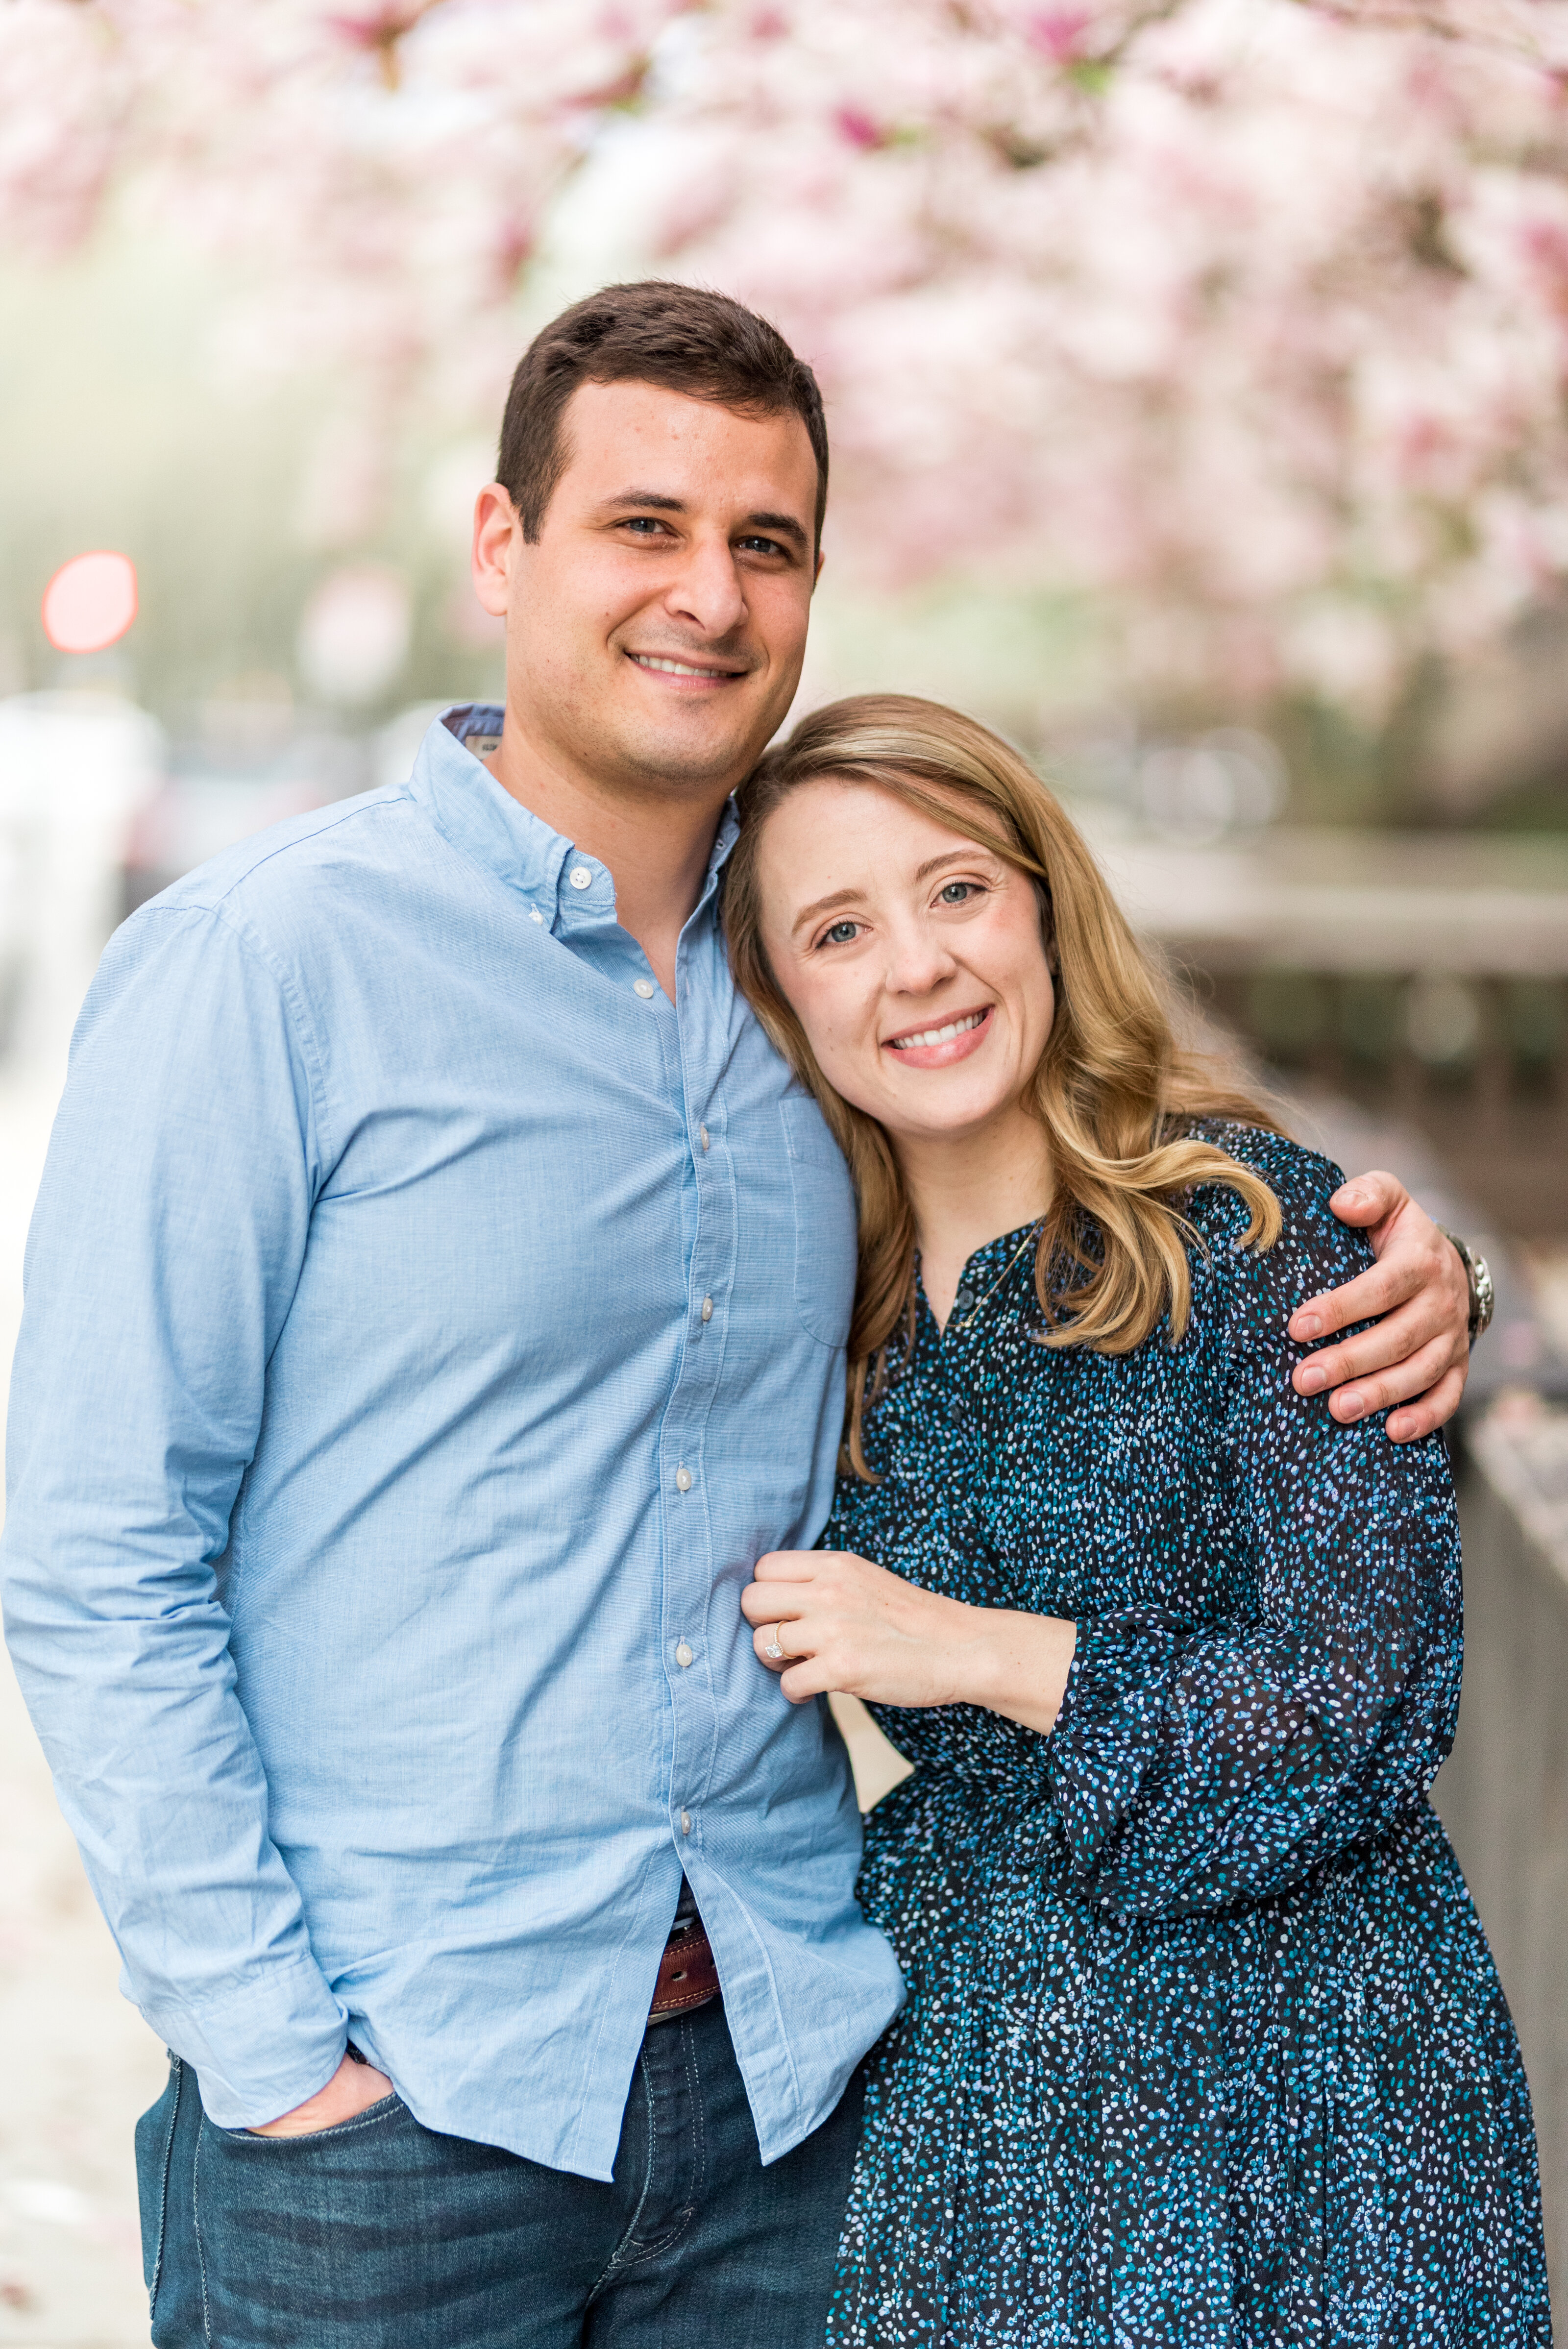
(654, 632)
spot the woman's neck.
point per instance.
(967, 1189)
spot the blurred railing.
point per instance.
(1504, 1794)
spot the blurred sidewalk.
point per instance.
(79, 2063)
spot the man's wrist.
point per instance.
(1478, 1276)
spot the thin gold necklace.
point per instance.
(976, 1310)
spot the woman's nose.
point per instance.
(918, 961)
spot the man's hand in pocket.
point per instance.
(351, 2087)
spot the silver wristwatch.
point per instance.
(1483, 1296)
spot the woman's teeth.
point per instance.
(939, 1035)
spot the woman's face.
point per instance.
(912, 957)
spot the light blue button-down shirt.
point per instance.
(427, 1325)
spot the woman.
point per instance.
(1203, 2042)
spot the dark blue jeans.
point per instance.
(380, 2234)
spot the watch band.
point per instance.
(1478, 1272)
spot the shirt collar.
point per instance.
(479, 816)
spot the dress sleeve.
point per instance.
(1190, 1769)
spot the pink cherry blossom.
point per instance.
(1243, 322)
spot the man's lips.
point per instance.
(942, 1042)
(700, 676)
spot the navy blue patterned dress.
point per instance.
(1204, 2047)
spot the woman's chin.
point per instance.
(944, 1115)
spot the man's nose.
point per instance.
(708, 593)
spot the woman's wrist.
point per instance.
(1016, 1664)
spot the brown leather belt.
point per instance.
(688, 1976)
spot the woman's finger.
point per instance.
(790, 1636)
(787, 1566)
(769, 1602)
(807, 1679)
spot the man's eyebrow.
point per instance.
(655, 498)
(782, 525)
(825, 906)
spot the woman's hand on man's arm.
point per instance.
(847, 1625)
(1417, 1353)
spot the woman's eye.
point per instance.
(840, 935)
(958, 893)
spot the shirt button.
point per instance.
(683, 1480)
(685, 1822)
(684, 1655)
(580, 877)
(964, 1300)
(707, 1308)
(703, 1134)
(534, 915)
(643, 987)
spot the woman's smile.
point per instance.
(939, 1043)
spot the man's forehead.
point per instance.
(644, 436)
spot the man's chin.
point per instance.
(701, 759)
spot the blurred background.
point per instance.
(1198, 375)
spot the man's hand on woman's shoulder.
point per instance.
(1416, 1296)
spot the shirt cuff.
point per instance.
(1108, 1732)
(260, 2046)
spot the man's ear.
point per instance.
(497, 528)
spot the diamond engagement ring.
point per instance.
(773, 1651)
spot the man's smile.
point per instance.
(667, 666)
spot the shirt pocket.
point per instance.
(824, 1235)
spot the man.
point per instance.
(427, 1328)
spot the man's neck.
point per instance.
(656, 844)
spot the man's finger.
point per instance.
(1368, 1198)
(1387, 1345)
(1407, 1380)
(1434, 1409)
(1378, 1289)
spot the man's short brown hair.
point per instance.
(680, 337)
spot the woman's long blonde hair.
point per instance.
(1114, 1092)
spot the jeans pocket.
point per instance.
(382, 2109)
(154, 2153)
(310, 2242)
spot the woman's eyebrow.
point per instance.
(950, 856)
(823, 905)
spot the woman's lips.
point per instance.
(955, 1039)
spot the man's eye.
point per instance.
(840, 935)
(760, 545)
(645, 526)
(957, 892)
